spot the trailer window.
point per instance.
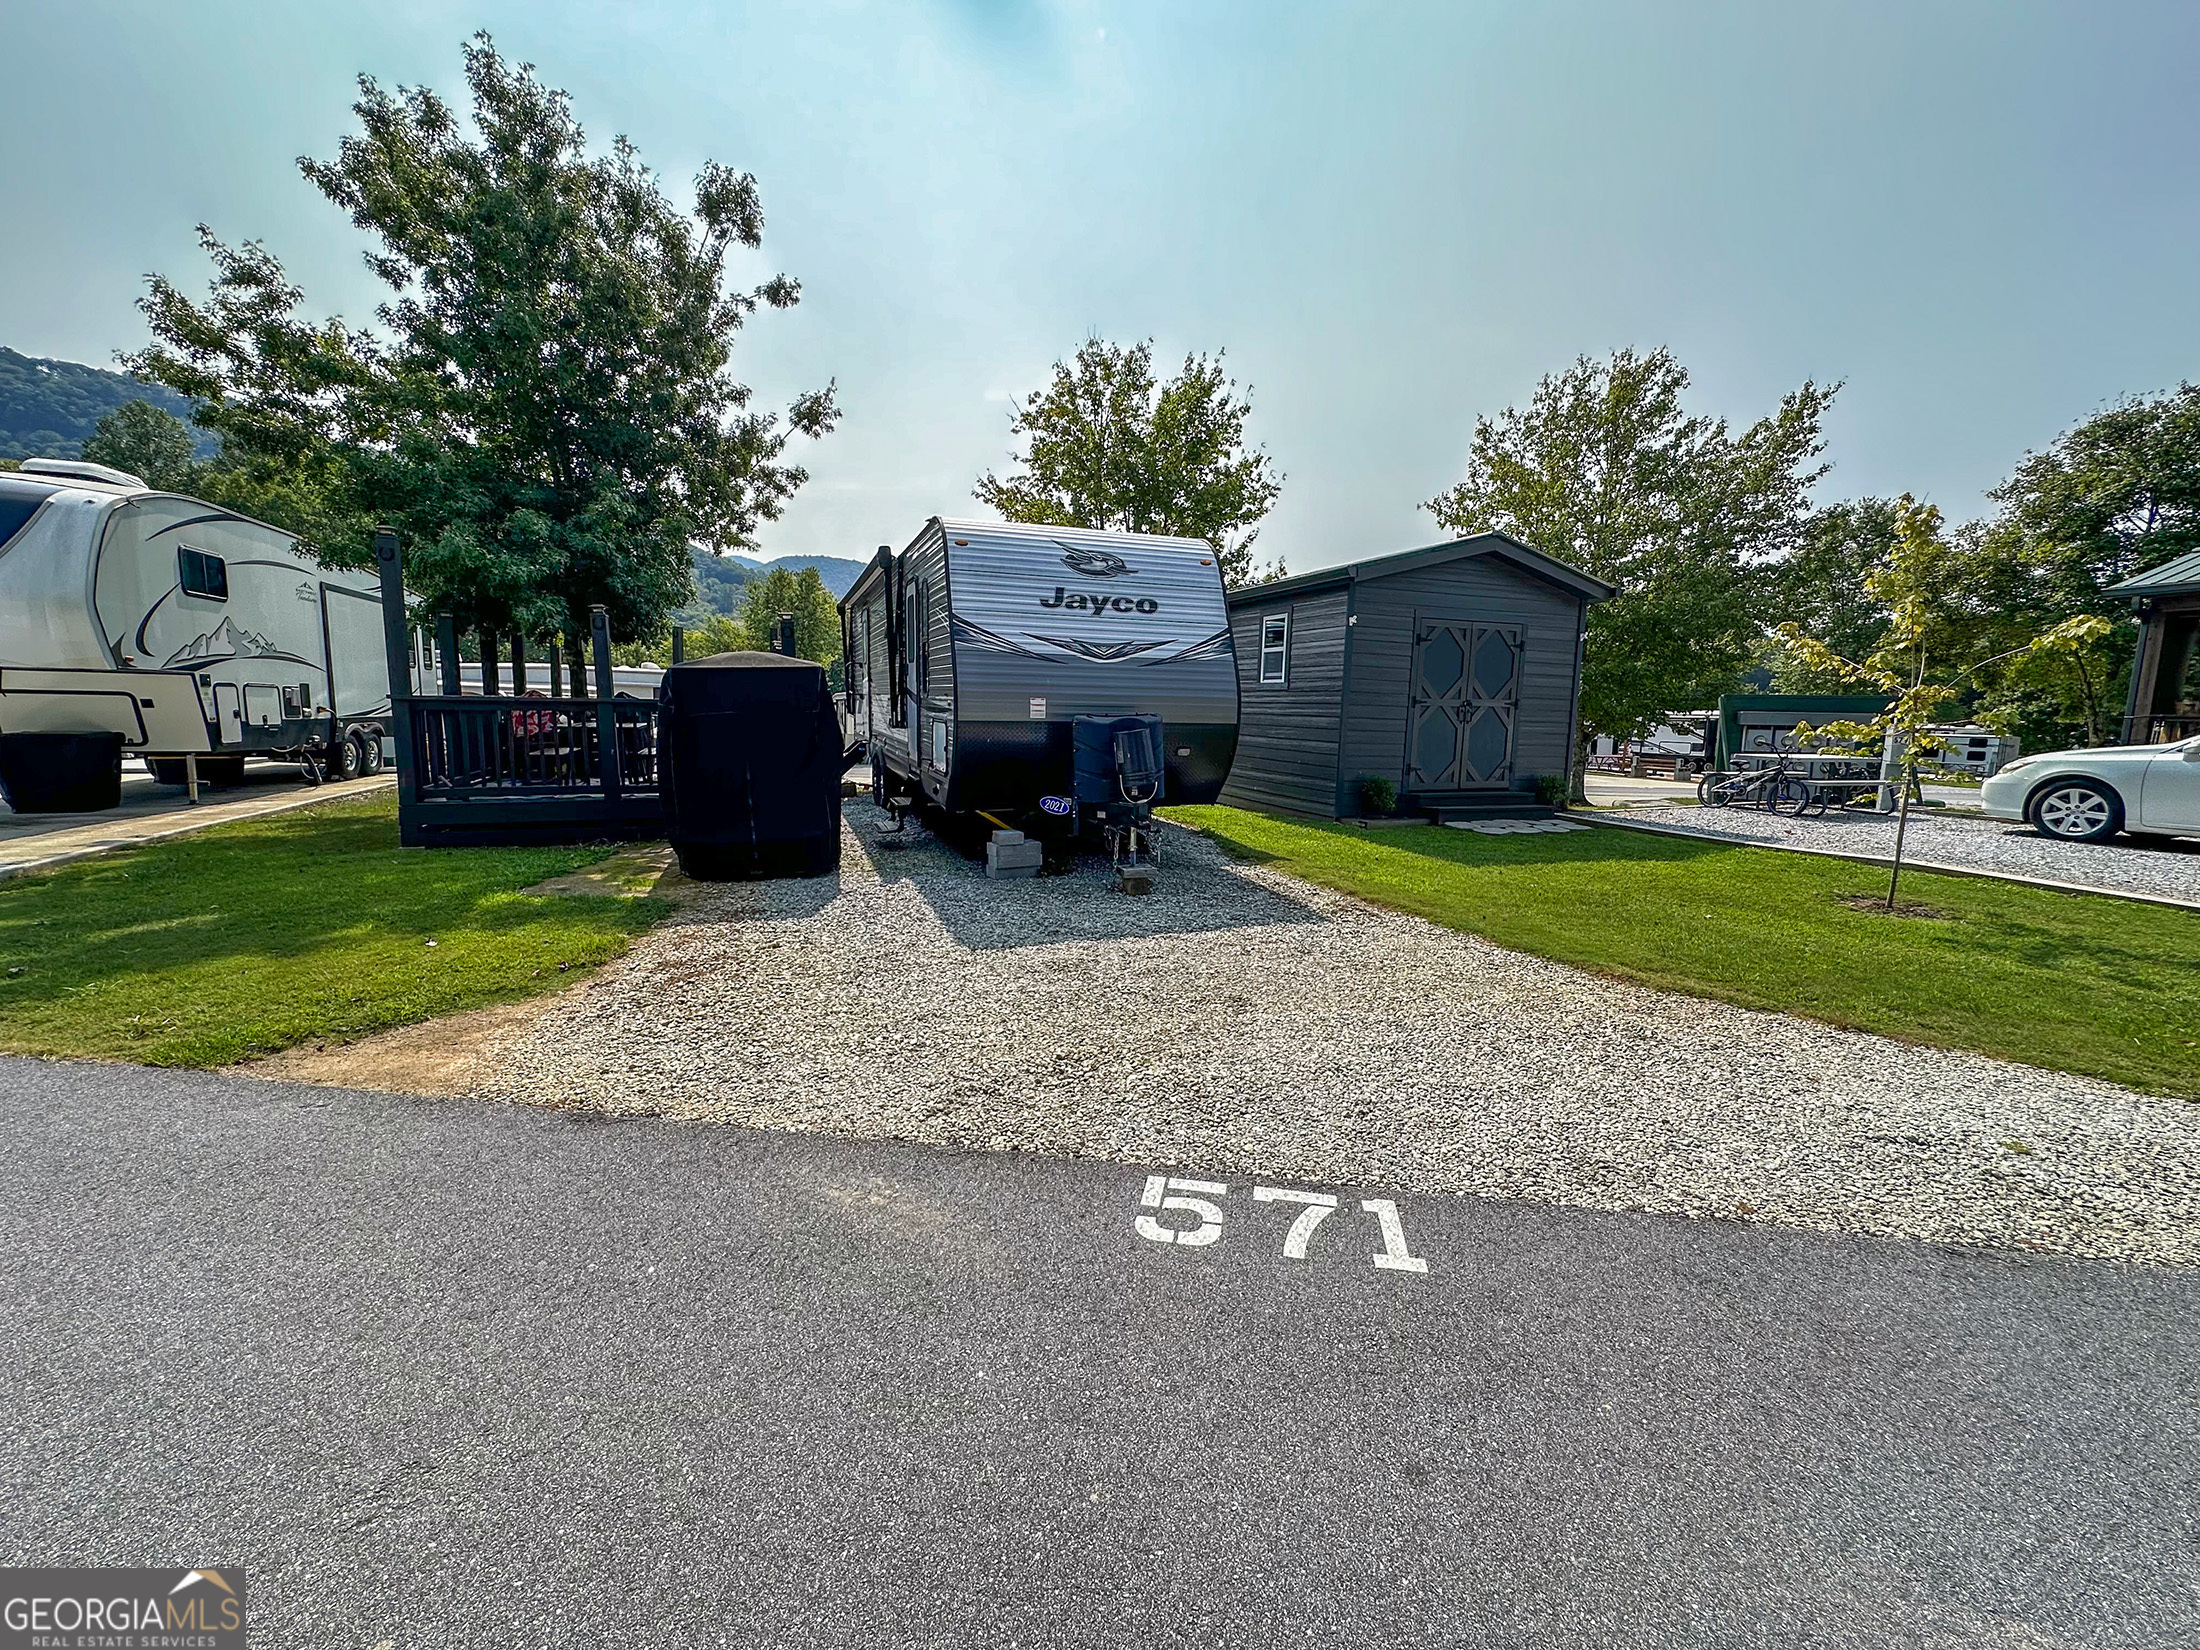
(202, 575)
(1275, 647)
(18, 503)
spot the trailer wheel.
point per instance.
(343, 758)
(167, 770)
(370, 749)
(221, 770)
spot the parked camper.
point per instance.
(184, 627)
(976, 655)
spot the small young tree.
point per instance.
(1107, 448)
(1918, 583)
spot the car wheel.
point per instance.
(2077, 810)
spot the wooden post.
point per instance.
(679, 645)
(557, 668)
(397, 656)
(446, 647)
(575, 668)
(519, 662)
(491, 684)
(607, 718)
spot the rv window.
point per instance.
(18, 504)
(1275, 646)
(202, 575)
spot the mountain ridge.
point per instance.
(48, 407)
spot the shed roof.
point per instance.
(1501, 545)
(2172, 578)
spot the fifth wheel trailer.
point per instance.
(1019, 673)
(185, 628)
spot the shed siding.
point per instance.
(1482, 588)
(1287, 733)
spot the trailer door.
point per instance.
(229, 712)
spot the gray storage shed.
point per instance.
(1453, 672)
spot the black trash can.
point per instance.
(61, 773)
(752, 757)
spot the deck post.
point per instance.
(607, 716)
(519, 663)
(491, 679)
(679, 645)
(397, 654)
(446, 647)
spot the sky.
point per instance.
(1984, 219)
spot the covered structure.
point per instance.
(1453, 672)
(2163, 703)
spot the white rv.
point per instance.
(184, 627)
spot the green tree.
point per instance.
(1920, 582)
(1604, 470)
(1107, 447)
(547, 409)
(155, 446)
(803, 594)
(2113, 496)
(1821, 589)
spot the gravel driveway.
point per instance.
(2171, 868)
(1242, 1020)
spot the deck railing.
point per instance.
(2160, 730)
(473, 745)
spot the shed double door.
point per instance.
(1463, 704)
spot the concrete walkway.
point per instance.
(149, 812)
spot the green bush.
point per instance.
(1377, 794)
(1550, 789)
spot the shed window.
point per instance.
(202, 575)
(1275, 647)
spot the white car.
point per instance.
(2085, 796)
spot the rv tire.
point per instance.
(343, 759)
(370, 750)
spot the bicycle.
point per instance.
(1775, 787)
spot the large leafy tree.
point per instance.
(803, 594)
(149, 442)
(545, 406)
(1106, 446)
(2116, 495)
(1605, 469)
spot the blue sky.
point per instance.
(1984, 217)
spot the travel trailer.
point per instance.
(1032, 676)
(186, 628)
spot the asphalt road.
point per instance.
(442, 1374)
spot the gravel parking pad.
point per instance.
(2170, 868)
(1241, 1020)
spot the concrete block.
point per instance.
(1008, 860)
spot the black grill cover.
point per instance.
(752, 754)
(61, 773)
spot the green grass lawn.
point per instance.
(2070, 981)
(247, 938)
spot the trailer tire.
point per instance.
(221, 770)
(343, 758)
(168, 770)
(370, 750)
